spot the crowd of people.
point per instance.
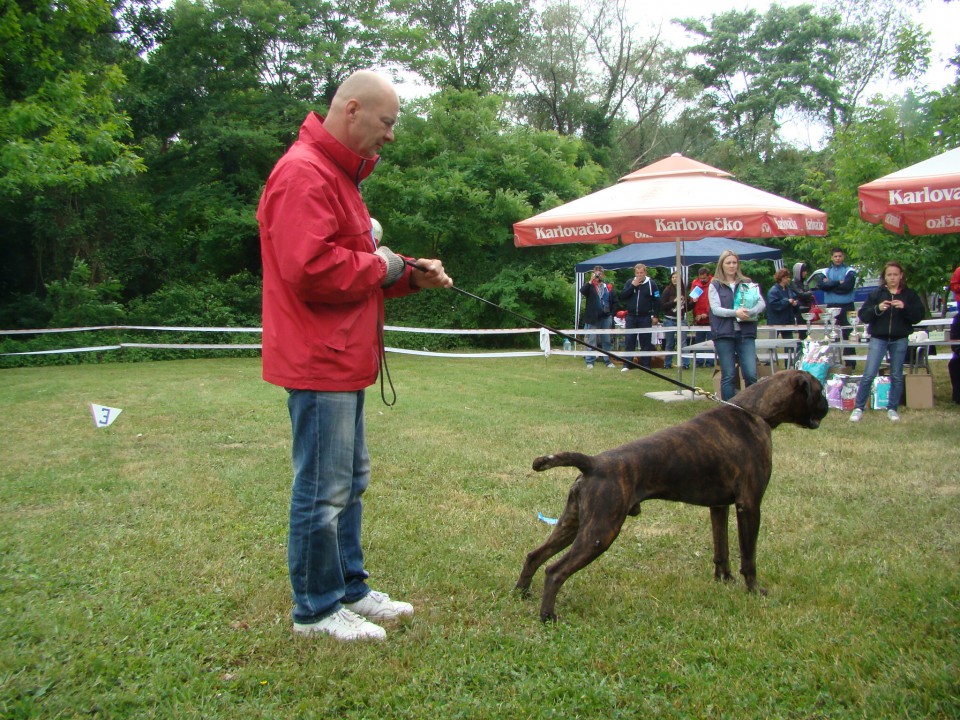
(730, 304)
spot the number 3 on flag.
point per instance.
(104, 416)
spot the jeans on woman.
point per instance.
(879, 347)
(331, 469)
(731, 350)
(670, 342)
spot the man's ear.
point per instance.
(352, 109)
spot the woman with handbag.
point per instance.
(735, 303)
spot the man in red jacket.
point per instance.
(700, 297)
(324, 281)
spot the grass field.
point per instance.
(142, 566)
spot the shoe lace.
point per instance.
(349, 617)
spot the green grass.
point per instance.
(143, 575)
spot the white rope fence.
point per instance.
(693, 334)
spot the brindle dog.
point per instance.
(720, 458)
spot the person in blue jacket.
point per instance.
(837, 285)
(782, 303)
(641, 297)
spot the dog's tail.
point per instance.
(582, 462)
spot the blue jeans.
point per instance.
(729, 351)
(331, 469)
(600, 341)
(670, 341)
(879, 347)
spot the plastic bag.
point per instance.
(746, 296)
(880, 393)
(819, 370)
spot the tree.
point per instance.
(884, 137)
(589, 74)
(61, 127)
(886, 45)
(463, 44)
(63, 132)
(756, 67)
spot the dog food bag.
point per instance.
(880, 393)
(848, 396)
(833, 390)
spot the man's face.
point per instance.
(704, 275)
(640, 272)
(374, 125)
(837, 258)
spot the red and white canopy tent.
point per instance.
(676, 198)
(923, 199)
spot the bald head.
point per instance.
(363, 113)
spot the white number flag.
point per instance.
(104, 416)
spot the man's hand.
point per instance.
(430, 274)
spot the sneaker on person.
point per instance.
(856, 415)
(589, 366)
(611, 365)
(625, 368)
(378, 606)
(342, 625)
(893, 415)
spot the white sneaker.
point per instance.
(625, 369)
(856, 415)
(378, 606)
(893, 415)
(343, 625)
(589, 366)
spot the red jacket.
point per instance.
(322, 301)
(702, 304)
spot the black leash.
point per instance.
(572, 338)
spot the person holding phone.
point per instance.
(890, 312)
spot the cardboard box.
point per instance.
(918, 388)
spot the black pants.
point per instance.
(844, 324)
(646, 339)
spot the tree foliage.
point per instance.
(589, 73)
(464, 44)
